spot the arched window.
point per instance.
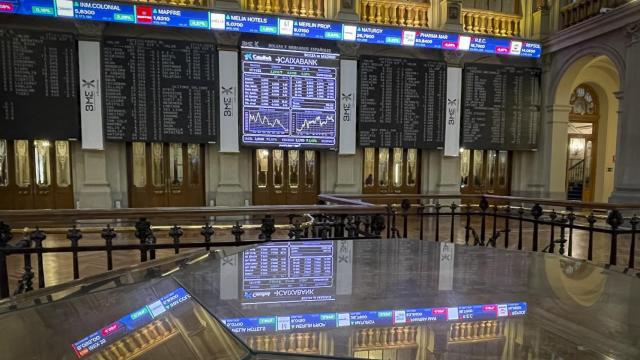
(584, 104)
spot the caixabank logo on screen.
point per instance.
(257, 57)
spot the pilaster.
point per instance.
(91, 182)
(556, 124)
(627, 173)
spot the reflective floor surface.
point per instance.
(377, 299)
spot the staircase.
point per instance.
(575, 180)
(574, 191)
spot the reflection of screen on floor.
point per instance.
(289, 272)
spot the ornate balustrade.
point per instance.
(302, 8)
(308, 342)
(397, 336)
(400, 13)
(490, 22)
(581, 10)
(475, 331)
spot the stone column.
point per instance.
(557, 121)
(453, 16)
(91, 182)
(225, 4)
(229, 167)
(540, 23)
(347, 11)
(627, 172)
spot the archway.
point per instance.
(582, 143)
(600, 75)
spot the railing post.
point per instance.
(143, 233)
(237, 232)
(207, 232)
(520, 217)
(453, 207)
(484, 205)
(26, 280)
(614, 219)
(357, 223)
(351, 228)
(268, 228)
(591, 219)
(553, 216)
(406, 206)
(5, 237)
(377, 224)
(507, 230)
(438, 207)
(632, 249)
(571, 217)
(176, 233)
(421, 215)
(391, 221)
(74, 235)
(494, 230)
(38, 237)
(563, 221)
(468, 224)
(536, 212)
(108, 234)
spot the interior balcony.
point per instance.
(577, 11)
(481, 21)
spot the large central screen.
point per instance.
(288, 272)
(289, 98)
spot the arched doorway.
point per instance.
(582, 143)
(583, 116)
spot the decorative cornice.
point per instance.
(633, 32)
(615, 19)
(227, 39)
(348, 49)
(454, 57)
(90, 31)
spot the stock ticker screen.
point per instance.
(289, 98)
(288, 272)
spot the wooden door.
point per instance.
(35, 174)
(580, 167)
(285, 177)
(163, 175)
(485, 172)
(391, 171)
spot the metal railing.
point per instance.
(497, 218)
(180, 228)
(479, 220)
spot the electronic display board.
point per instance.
(373, 318)
(501, 107)
(159, 90)
(288, 272)
(38, 85)
(402, 102)
(289, 97)
(250, 23)
(129, 323)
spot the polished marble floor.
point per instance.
(396, 299)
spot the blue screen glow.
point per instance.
(269, 25)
